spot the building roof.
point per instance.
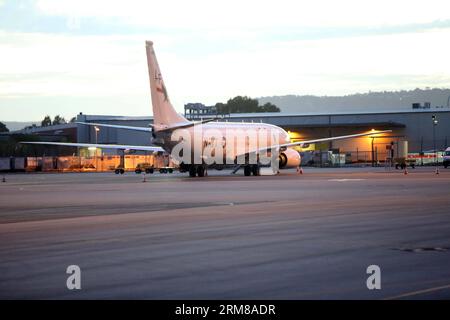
(336, 113)
(49, 129)
(93, 118)
(277, 114)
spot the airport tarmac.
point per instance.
(290, 236)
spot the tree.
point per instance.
(269, 107)
(58, 120)
(12, 147)
(46, 122)
(244, 104)
(31, 127)
(241, 104)
(73, 120)
(221, 108)
(3, 127)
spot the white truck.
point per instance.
(447, 157)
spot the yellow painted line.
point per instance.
(415, 293)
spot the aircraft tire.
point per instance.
(255, 170)
(192, 171)
(201, 171)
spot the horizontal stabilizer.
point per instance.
(187, 125)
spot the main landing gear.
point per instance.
(201, 171)
(252, 169)
(198, 170)
(119, 170)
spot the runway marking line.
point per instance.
(345, 180)
(415, 293)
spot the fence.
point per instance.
(362, 158)
(79, 163)
(109, 163)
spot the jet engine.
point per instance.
(289, 159)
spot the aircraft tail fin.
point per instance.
(164, 114)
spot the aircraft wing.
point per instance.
(306, 142)
(300, 143)
(97, 145)
(116, 126)
(180, 126)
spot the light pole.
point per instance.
(373, 151)
(435, 123)
(97, 129)
(372, 147)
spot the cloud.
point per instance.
(212, 51)
(71, 64)
(250, 14)
(116, 65)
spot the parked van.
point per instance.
(447, 157)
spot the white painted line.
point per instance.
(345, 180)
(414, 293)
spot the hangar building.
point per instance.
(414, 126)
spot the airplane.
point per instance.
(236, 138)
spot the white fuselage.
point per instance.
(234, 138)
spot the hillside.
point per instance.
(17, 125)
(372, 101)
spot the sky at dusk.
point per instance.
(70, 56)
